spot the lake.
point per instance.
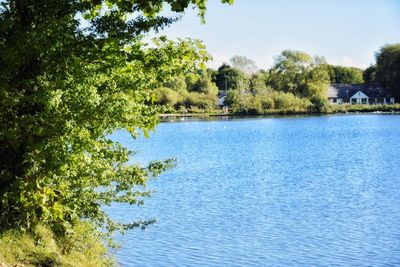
(295, 191)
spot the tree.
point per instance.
(178, 84)
(346, 75)
(64, 87)
(298, 73)
(289, 73)
(369, 74)
(258, 83)
(388, 68)
(200, 102)
(201, 83)
(229, 78)
(303, 76)
(167, 97)
(244, 64)
(317, 81)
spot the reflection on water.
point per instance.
(298, 191)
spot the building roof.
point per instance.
(345, 91)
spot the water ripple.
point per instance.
(313, 191)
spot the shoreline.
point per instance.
(209, 115)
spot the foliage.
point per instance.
(294, 80)
(274, 102)
(346, 75)
(66, 153)
(297, 83)
(205, 102)
(194, 91)
(85, 246)
(63, 89)
(345, 108)
(298, 73)
(201, 83)
(290, 71)
(317, 81)
(258, 83)
(167, 97)
(178, 84)
(388, 68)
(369, 74)
(288, 102)
(228, 78)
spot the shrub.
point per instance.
(83, 246)
(166, 96)
(200, 100)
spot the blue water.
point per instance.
(301, 191)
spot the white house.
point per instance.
(221, 101)
(359, 98)
(366, 93)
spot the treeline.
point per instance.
(296, 83)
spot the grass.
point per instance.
(362, 108)
(41, 247)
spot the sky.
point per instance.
(345, 32)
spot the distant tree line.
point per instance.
(297, 82)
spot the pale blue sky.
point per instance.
(346, 32)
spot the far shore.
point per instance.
(282, 113)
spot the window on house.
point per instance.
(334, 100)
(363, 101)
(354, 101)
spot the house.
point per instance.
(366, 93)
(221, 98)
(221, 101)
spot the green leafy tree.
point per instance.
(64, 87)
(178, 84)
(201, 82)
(297, 83)
(300, 74)
(229, 78)
(258, 83)
(212, 73)
(346, 75)
(167, 97)
(200, 102)
(317, 81)
(388, 68)
(289, 73)
(369, 74)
